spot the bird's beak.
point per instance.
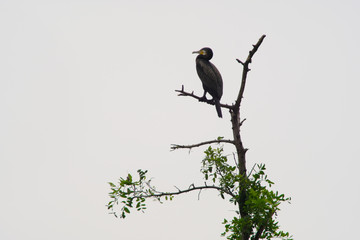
(201, 52)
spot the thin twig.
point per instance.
(236, 163)
(199, 194)
(239, 61)
(242, 121)
(252, 169)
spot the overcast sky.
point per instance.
(87, 96)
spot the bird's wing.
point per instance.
(211, 78)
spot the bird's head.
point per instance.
(205, 53)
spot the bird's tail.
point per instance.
(218, 107)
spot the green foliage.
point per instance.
(133, 194)
(257, 204)
(216, 168)
(263, 203)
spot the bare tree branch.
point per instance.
(182, 92)
(176, 146)
(157, 194)
(246, 70)
(235, 112)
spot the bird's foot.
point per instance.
(203, 99)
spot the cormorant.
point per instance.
(210, 77)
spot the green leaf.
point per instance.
(222, 195)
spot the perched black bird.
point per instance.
(210, 77)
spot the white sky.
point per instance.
(87, 95)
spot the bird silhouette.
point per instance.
(210, 77)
